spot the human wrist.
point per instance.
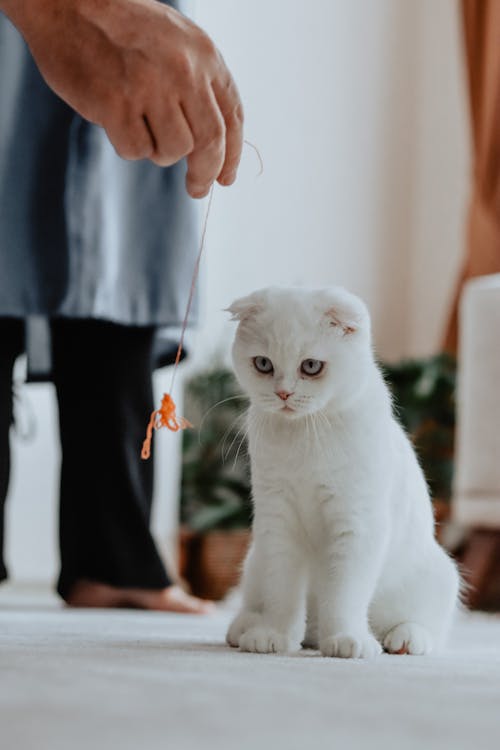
(21, 11)
(18, 10)
(34, 14)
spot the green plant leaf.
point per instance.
(212, 517)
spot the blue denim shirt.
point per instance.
(83, 233)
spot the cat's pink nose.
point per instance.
(283, 394)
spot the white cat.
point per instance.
(343, 556)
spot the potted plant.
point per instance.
(215, 502)
(424, 400)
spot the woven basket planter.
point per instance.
(211, 562)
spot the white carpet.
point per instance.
(127, 679)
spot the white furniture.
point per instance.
(476, 503)
(477, 477)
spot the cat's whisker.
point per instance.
(243, 439)
(214, 406)
(265, 421)
(307, 427)
(238, 432)
(321, 415)
(320, 442)
(256, 424)
(225, 437)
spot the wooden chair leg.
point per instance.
(481, 553)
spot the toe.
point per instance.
(175, 599)
(408, 638)
(262, 640)
(346, 646)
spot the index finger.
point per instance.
(231, 108)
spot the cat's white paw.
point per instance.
(408, 638)
(241, 623)
(262, 639)
(347, 646)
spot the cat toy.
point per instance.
(166, 415)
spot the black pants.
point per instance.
(102, 374)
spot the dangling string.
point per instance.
(166, 415)
(259, 157)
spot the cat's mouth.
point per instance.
(287, 409)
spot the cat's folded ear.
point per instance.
(245, 307)
(346, 313)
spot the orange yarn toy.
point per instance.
(165, 416)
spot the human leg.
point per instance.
(102, 373)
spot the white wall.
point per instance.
(358, 110)
(31, 521)
(357, 107)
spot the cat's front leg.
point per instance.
(250, 613)
(269, 613)
(354, 557)
(276, 578)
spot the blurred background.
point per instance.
(360, 112)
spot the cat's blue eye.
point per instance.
(311, 367)
(263, 364)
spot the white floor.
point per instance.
(128, 679)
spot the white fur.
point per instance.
(343, 556)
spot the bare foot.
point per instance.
(171, 599)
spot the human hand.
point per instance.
(150, 77)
